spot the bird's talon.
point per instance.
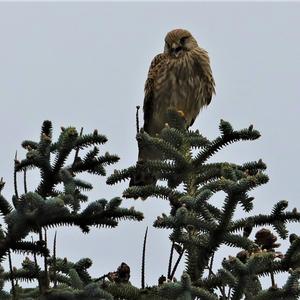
(181, 113)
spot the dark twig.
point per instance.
(170, 260)
(211, 265)
(15, 177)
(143, 259)
(229, 292)
(25, 181)
(137, 119)
(54, 261)
(102, 277)
(221, 288)
(46, 262)
(2, 183)
(176, 264)
(77, 149)
(36, 268)
(44, 280)
(273, 280)
(11, 276)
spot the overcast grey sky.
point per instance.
(84, 64)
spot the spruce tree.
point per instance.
(188, 181)
(200, 228)
(48, 206)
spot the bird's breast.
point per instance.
(179, 87)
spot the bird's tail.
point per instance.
(143, 176)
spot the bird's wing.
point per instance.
(155, 66)
(202, 62)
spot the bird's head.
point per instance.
(178, 42)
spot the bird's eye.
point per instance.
(183, 39)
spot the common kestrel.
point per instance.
(180, 78)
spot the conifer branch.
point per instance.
(199, 225)
(77, 149)
(36, 266)
(11, 275)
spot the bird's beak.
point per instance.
(176, 49)
(174, 46)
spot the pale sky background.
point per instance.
(85, 64)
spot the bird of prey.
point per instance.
(180, 79)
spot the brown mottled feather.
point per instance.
(149, 88)
(183, 82)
